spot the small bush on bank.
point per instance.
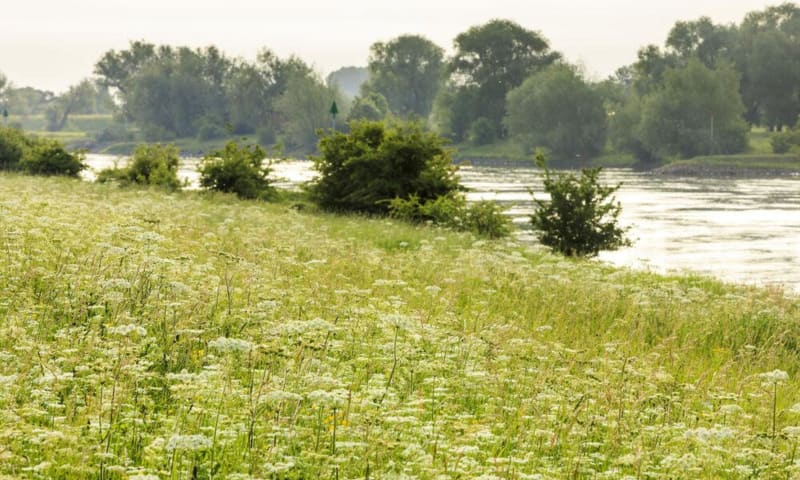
(784, 142)
(580, 219)
(362, 171)
(151, 164)
(240, 170)
(483, 218)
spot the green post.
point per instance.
(334, 111)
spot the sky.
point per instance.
(51, 44)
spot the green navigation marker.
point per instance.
(334, 111)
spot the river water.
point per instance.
(740, 230)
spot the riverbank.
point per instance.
(159, 333)
(734, 166)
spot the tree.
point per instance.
(304, 108)
(365, 169)
(697, 112)
(490, 60)
(769, 63)
(581, 216)
(348, 79)
(557, 110)
(373, 107)
(79, 98)
(704, 40)
(407, 72)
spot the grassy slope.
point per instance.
(360, 346)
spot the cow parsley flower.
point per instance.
(775, 377)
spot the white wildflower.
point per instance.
(279, 467)
(433, 289)
(189, 443)
(226, 345)
(775, 377)
(128, 330)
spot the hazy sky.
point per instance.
(52, 44)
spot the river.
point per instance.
(740, 230)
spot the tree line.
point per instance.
(699, 93)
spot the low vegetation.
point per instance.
(155, 165)
(152, 334)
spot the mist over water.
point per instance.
(739, 230)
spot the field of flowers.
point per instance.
(147, 335)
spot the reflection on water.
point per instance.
(741, 230)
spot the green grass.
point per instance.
(758, 140)
(154, 335)
(504, 150)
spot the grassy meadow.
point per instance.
(152, 335)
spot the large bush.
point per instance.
(243, 170)
(365, 169)
(580, 219)
(37, 156)
(49, 157)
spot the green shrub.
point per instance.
(240, 170)
(580, 219)
(783, 142)
(483, 218)
(482, 132)
(362, 171)
(208, 129)
(37, 156)
(155, 165)
(266, 136)
(150, 164)
(49, 157)
(115, 132)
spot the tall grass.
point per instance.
(150, 335)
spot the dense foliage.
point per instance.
(174, 92)
(365, 169)
(37, 156)
(580, 218)
(242, 170)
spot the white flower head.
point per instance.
(128, 330)
(775, 377)
(188, 443)
(228, 345)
